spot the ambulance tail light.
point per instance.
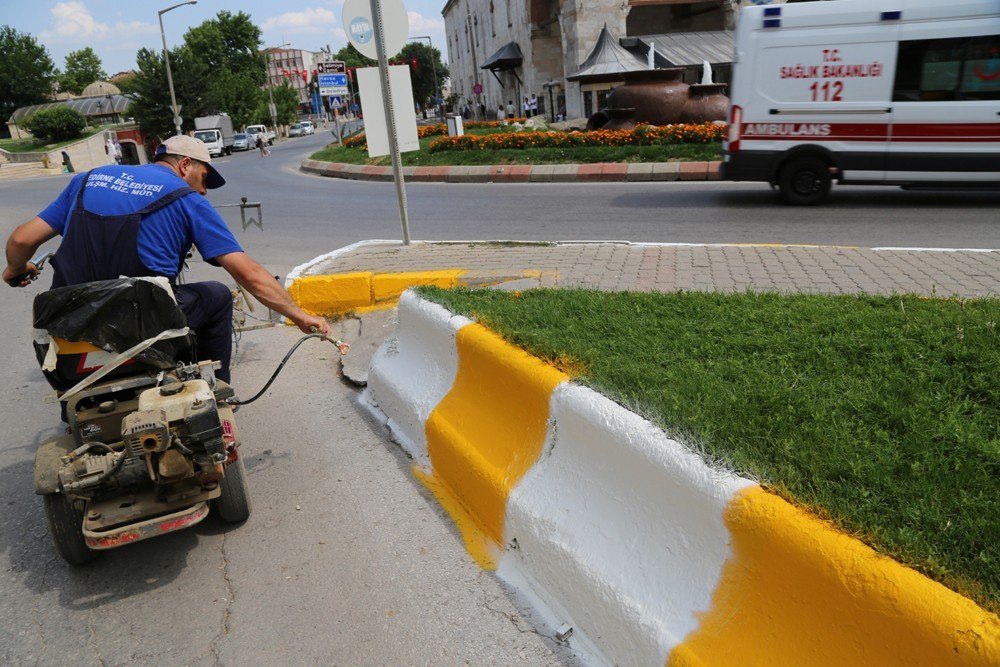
(735, 128)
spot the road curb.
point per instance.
(603, 172)
(613, 528)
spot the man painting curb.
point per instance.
(138, 221)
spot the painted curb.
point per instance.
(605, 172)
(333, 294)
(650, 554)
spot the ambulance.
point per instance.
(875, 92)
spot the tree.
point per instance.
(57, 124)
(151, 108)
(26, 71)
(228, 46)
(286, 99)
(353, 58)
(83, 68)
(425, 66)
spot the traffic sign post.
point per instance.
(383, 28)
(332, 78)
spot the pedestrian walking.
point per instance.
(501, 115)
(262, 145)
(533, 105)
(511, 109)
(118, 152)
(526, 108)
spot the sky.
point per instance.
(116, 29)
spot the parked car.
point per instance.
(241, 142)
(297, 130)
(307, 124)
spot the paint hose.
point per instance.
(342, 347)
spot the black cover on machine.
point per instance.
(114, 315)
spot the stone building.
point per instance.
(518, 48)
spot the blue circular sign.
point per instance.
(361, 29)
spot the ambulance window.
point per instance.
(981, 75)
(947, 70)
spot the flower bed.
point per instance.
(643, 135)
(439, 129)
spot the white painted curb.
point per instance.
(621, 526)
(413, 370)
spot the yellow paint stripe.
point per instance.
(489, 429)
(391, 285)
(796, 591)
(483, 550)
(338, 293)
(332, 294)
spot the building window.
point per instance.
(468, 42)
(510, 19)
(493, 25)
(475, 28)
(948, 70)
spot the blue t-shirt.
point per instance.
(165, 235)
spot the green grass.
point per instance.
(576, 155)
(35, 146)
(879, 413)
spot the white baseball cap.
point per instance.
(195, 149)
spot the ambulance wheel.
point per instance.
(233, 505)
(805, 181)
(65, 519)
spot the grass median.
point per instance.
(881, 414)
(575, 155)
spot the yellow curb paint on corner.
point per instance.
(484, 551)
(797, 591)
(363, 291)
(489, 429)
(391, 285)
(331, 294)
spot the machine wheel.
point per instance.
(65, 519)
(805, 181)
(234, 503)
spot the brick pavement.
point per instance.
(622, 266)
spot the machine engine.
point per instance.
(174, 438)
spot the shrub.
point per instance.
(57, 124)
(643, 135)
(440, 129)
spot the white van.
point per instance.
(890, 92)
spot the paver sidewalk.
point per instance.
(647, 267)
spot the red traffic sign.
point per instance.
(477, 88)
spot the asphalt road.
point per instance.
(346, 558)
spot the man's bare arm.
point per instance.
(22, 245)
(255, 279)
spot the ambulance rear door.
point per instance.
(946, 94)
(823, 84)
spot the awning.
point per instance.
(507, 57)
(607, 61)
(686, 49)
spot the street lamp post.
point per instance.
(433, 67)
(166, 57)
(270, 88)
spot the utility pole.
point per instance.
(166, 58)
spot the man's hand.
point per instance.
(29, 270)
(309, 322)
